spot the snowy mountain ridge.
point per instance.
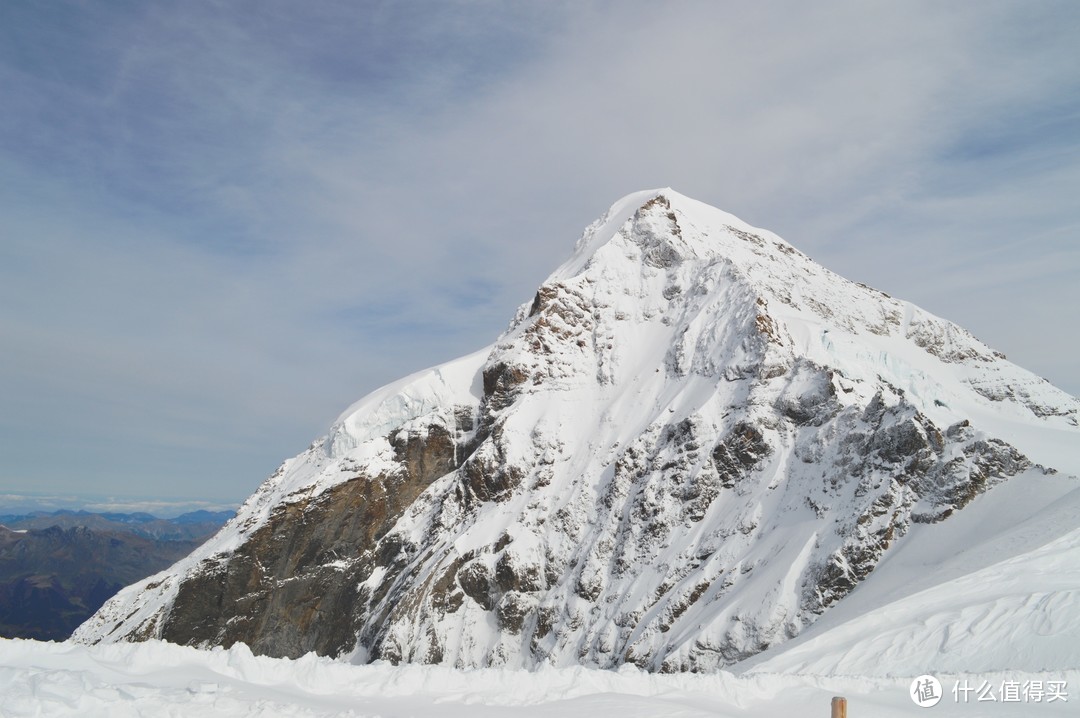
(692, 444)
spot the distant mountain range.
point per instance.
(192, 526)
(57, 568)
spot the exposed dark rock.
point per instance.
(739, 453)
(476, 581)
(814, 405)
(655, 226)
(500, 384)
(511, 574)
(425, 457)
(486, 476)
(511, 612)
(292, 587)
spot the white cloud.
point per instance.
(270, 218)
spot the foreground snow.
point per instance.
(155, 679)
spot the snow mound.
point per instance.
(156, 679)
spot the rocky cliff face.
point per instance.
(689, 445)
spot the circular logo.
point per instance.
(925, 691)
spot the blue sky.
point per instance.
(225, 221)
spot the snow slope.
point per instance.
(159, 679)
(999, 598)
(693, 446)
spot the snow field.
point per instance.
(998, 599)
(161, 679)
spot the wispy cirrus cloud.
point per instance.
(226, 221)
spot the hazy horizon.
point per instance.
(159, 507)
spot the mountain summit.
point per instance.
(692, 444)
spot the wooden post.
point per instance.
(839, 707)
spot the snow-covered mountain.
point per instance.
(693, 444)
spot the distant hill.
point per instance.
(193, 526)
(57, 569)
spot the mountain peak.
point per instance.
(689, 445)
(656, 213)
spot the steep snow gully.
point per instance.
(693, 449)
